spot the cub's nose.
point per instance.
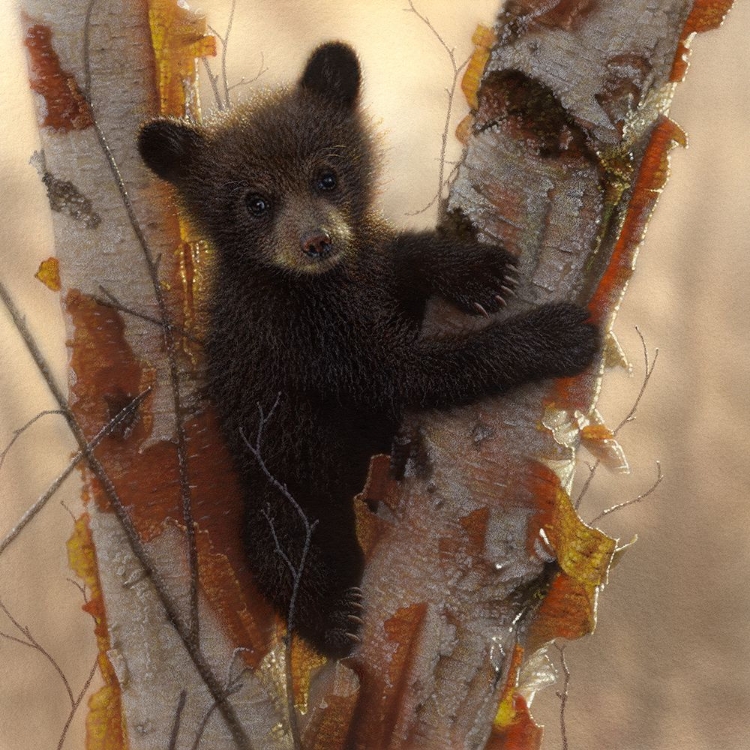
(316, 244)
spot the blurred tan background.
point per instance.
(669, 666)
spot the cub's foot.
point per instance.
(482, 281)
(564, 339)
(344, 623)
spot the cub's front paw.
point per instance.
(565, 338)
(482, 281)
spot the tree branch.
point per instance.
(123, 415)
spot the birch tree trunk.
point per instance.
(477, 558)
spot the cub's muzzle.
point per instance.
(316, 244)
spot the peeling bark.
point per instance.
(477, 557)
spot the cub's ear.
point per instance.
(168, 146)
(333, 71)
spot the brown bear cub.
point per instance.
(316, 299)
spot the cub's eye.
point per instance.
(257, 205)
(326, 181)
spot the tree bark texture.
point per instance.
(478, 557)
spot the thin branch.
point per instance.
(256, 451)
(634, 500)
(233, 684)
(213, 79)
(202, 726)
(29, 515)
(279, 551)
(232, 680)
(224, 40)
(224, 47)
(162, 592)
(296, 571)
(81, 588)
(17, 433)
(450, 50)
(72, 515)
(563, 696)
(29, 641)
(451, 92)
(77, 703)
(587, 483)
(169, 342)
(86, 48)
(13, 638)
(204, 722)
(32, 643)
(116, 304)
(649, 366)
(245, 81)
(177, 717)
(649, 371)
(309, 527)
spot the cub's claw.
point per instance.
(341, 636)
(486, 275)
(481, 310)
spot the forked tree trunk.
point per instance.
(477, 558)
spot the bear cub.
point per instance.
(316, 308)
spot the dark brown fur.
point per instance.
(316, 299)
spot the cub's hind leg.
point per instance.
(309, 569)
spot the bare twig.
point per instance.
(177, 717)
(169, 342)
(162, 592)
(204, 722)
(17, 433)
(649, 366)
(80, 587)
(247, 81)
(451, 93)
(213, 79)
(234, 679)
(296, 571)
(224, 47)
(116, 304)
(233, 684)
(649, 371)
(76, 704)
(31, 642)
(202, 726)
(563, 695)
(29, 515)
(634, 500)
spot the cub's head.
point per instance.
(284, 181)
